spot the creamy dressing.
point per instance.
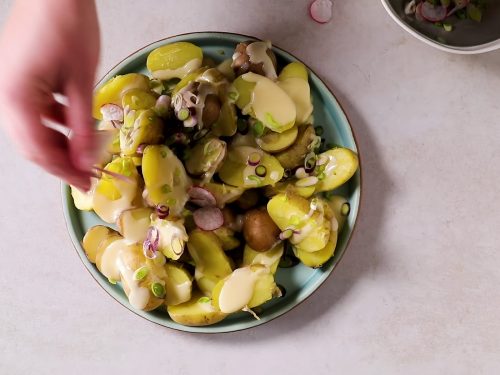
(298, 90)
(172, 237)
(133, 229)
(167, 74)
(257, 51)
(268, 258)
(331, 165)
(270, 103)
(109, 210)
(138, 296)
(177, 293)
(237, 290)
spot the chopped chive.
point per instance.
(165, 189)
(232, 95)
(447, 27)
(260, 171)
(345, 209)
(183, 114)
(158, 290)
(258, 128)
(204, 300)
(141, 273)
(112, 281)
(321, 176)
(254, 178)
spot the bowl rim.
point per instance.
(471, 50)
(73, 238)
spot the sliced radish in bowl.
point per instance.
(208, 218)
(201, 197)
(433, 13)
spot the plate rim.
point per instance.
(193, 329)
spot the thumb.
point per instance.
(82, 143)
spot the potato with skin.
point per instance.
(259, 230)
(227, 238)
(93, 238)
(316, 259)
(174, 60)
(294, 156)
(340, 207)
(226, 125)
(211, 263)
(140, 127)
(223, 193)
(133, 224)
(341, 166)
(269, 258)
(178, 285)
(197, 312)
(113, 90)
(211, 110)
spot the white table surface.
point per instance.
(418, 290)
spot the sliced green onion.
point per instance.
(258, 128)
(254, 178)
(321, 176)
(260, 171)
(345, 209)
(447, 27)
(319, 130)
(232, 95)
(141, 273)
(286, 234)
(158, 290)
(204, 300)
(183, 114)
(111, 281)
(165, 189)
(253, 159)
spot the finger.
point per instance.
(43, 146)
(82, 144)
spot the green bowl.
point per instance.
(299, 281)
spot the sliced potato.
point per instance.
(223, 193)
(316, 259)
(227, 238)
(294, 155)
(113, 90)
(294, 69)
(340, 207)
(196, 312)
(236, 171)
(83, 200)
(133, 224)
(341, 166)
(178, 285)
(212, 264)
(275, 142)
(269, 258)
(174, 60)
(93, 239)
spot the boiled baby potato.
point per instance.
(172, 237)
(259, 230)
(93, 238)
(294, 155)
(316, 259)
(245, 287)
(341, 208)
(236, 171)
(83, 200)
(187, 80)
(113, 90)
(135, 99)
(294, 69)
(225, 126)
(165, 178)
(133, 224)
(289, 186)
(206, 157)
(211, 263)
(227, 238)
(198, 311)
(140, 127)
(223, 193)
(292, 212)
(341, 165)
(269, 258)
(178, 285)
(266, 101)
(275, 142)
(174, 60)
(114, 195)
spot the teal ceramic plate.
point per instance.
(299, 281)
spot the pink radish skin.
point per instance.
(433, 13)
(321, 11)
(201, 196)
(418, 13)
(208, 218)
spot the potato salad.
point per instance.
(214, 176)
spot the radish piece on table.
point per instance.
(321, 10)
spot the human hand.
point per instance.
(47, 47)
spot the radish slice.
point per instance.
(433, 13)
(418, 13)
(112, 112)
(201, 197)
(208, 218)
(321, 10)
